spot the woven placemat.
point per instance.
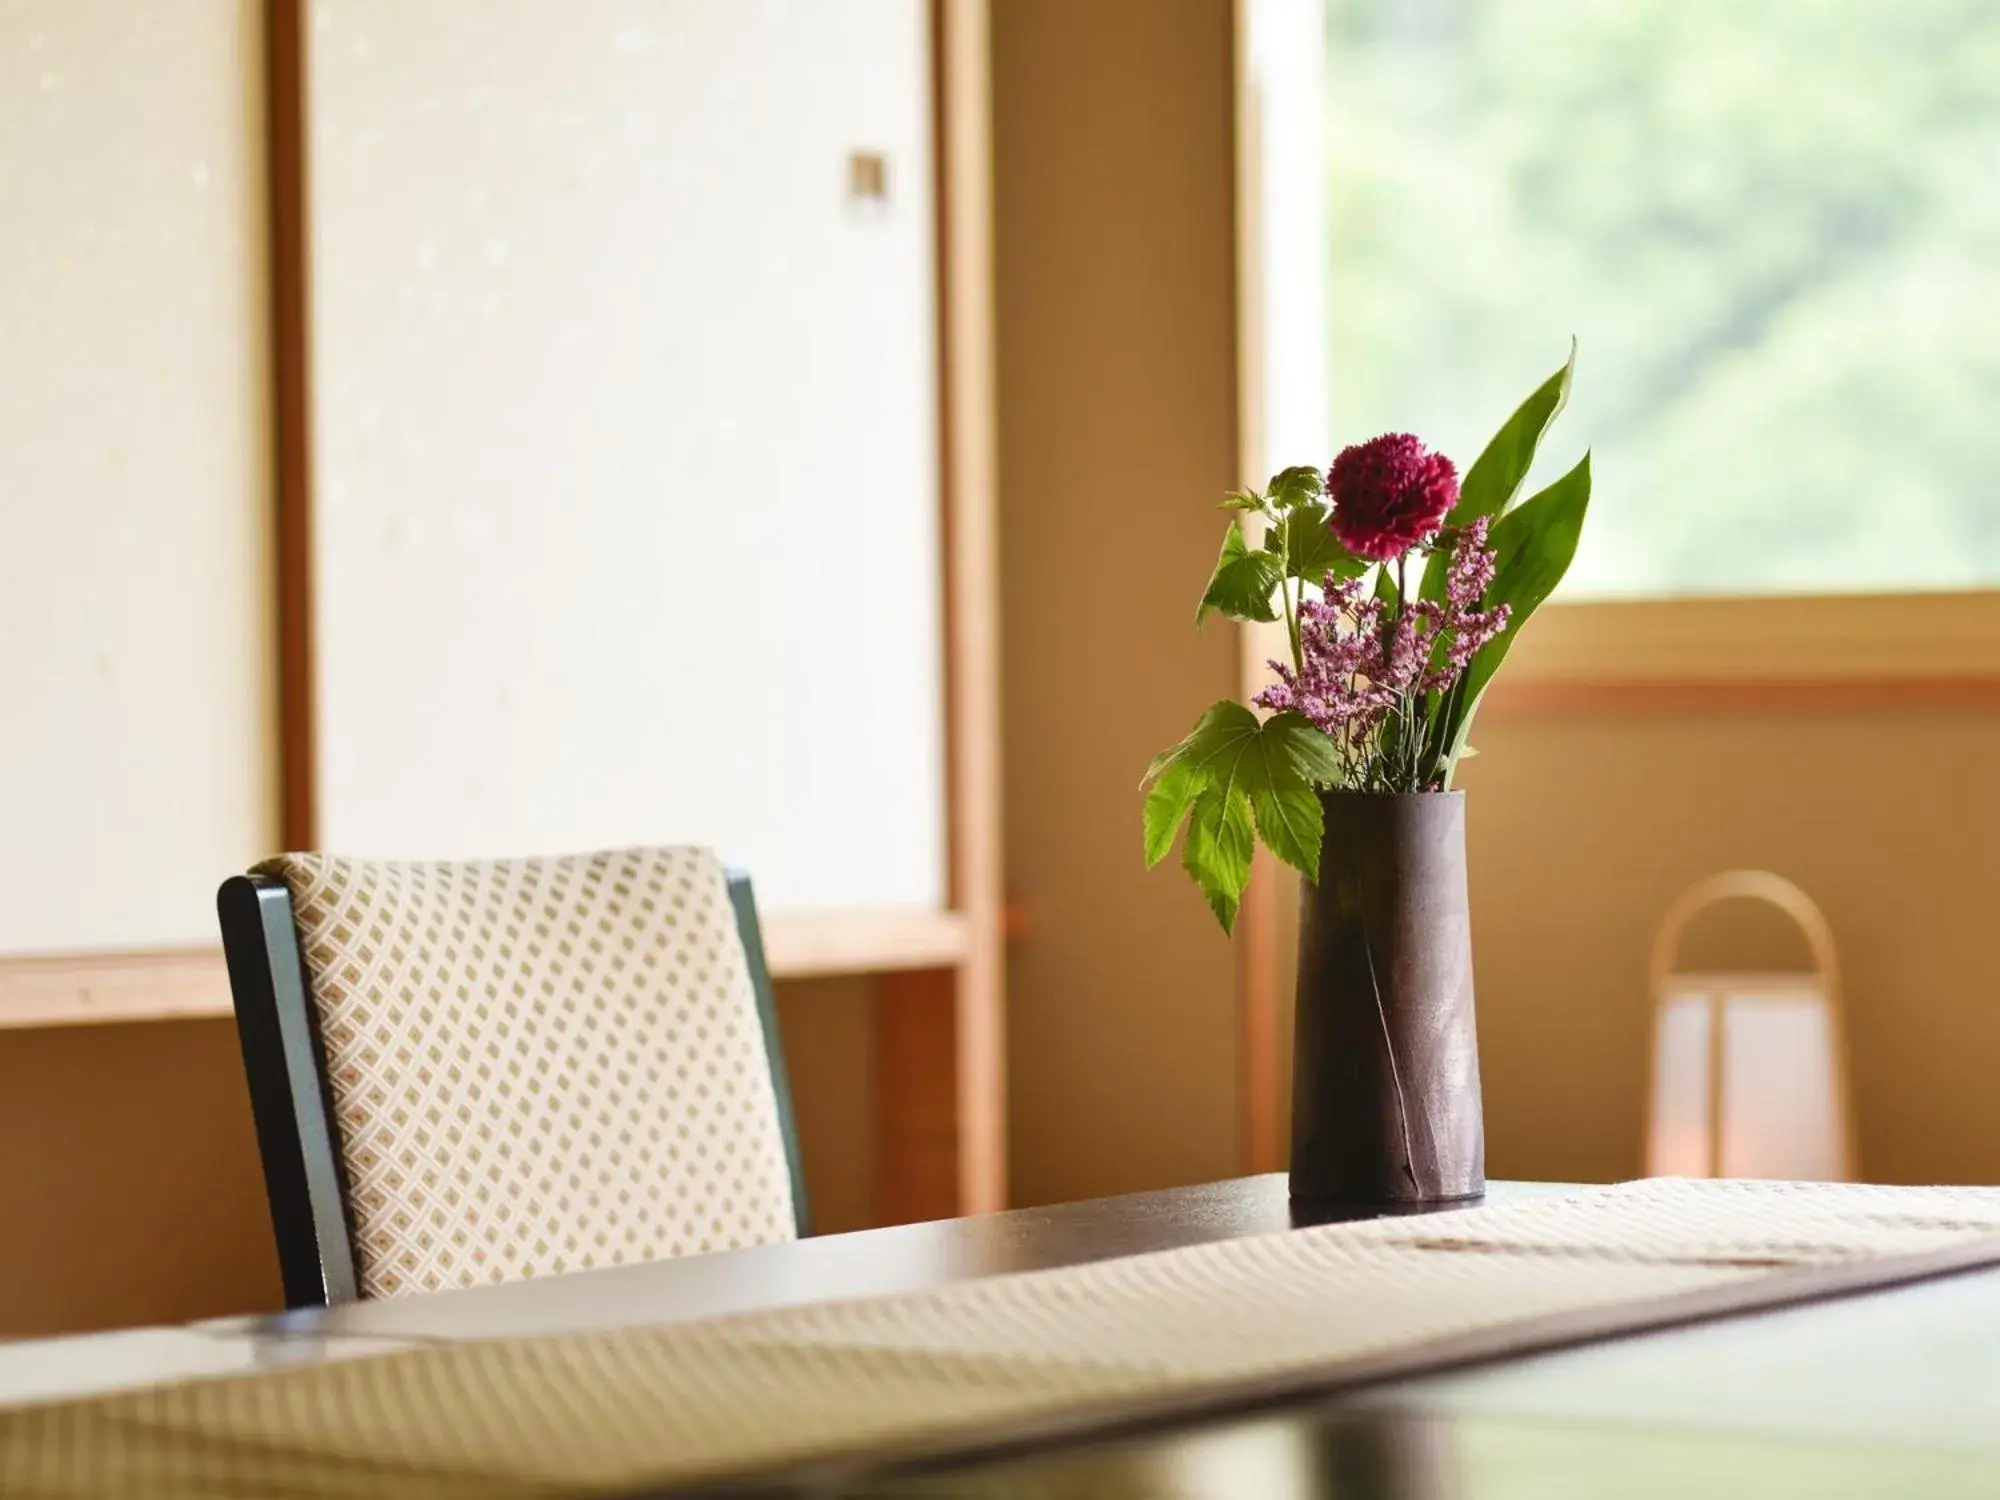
(962, 1366)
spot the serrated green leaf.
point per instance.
(1533, 545)
(1496, 475)
(1295, 486)
(1167, 806)
(1234, 765)
(1311, 551)
(1221, 720)
(1293, 752)
(1243, 581)
(1237, 753)
(1292, 825)
(1217, 850)
(1242, 500)
(1167, 757)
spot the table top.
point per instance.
(1896, 1393)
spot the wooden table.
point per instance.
(1893, 1394)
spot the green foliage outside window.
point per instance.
(1774, 225)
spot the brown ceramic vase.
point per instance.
(1385, 1063)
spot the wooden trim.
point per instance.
(1259, 1088)
(918, 1171)
(1906, 643)
(864, 942)
(80, 989)
(169, 984)
(286, 158)
(1510, 700)
(969, 446)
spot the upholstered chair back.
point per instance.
(535, 1066)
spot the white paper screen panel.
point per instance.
(626, 515)
(138, 733)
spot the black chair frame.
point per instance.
(297, 1136)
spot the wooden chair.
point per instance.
(478, 1072)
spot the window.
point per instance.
(1774, 228)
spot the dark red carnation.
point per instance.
(1389, 494)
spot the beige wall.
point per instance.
(1584, 828)
(1113, 184)
(1582, 831)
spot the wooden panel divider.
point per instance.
(940, 1035)
(287, 162)
(940, 1018)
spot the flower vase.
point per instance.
(1385, 1066)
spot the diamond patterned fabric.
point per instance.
(539, 1065)
(639, 1410)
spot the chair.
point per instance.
(479, 1072)
(1749, 1070)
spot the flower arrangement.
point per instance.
(1401, 590)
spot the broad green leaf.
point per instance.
(1167, 807)
(1290, 752)
(1276, 764)
(1219, 723)
(1311, 551)
(1217, 849)
(1243, 581)
(1237, 767)
(1236, 753)
(1242, 500)
(1295, 486)
(1292, 825)
(1533, 545)
(1495, 476)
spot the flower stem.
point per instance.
(1286, 585)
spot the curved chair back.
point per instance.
(1749, 1070)
(478, 1072)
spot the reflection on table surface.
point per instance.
(1360, 1455)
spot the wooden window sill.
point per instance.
(1859, 652)
(174, 984)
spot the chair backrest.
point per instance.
(477, 1072)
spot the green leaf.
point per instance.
(1276, 763)
(1237, 753)
(1242, 500)
(1533, 545)
(1243, 581)
(1167, 806)
(1235, 766)
(1495, 476)
(1295, 486)
(1220, 721)
(1311, 551)
(1286, 752)
(1217, 851)
(1292, 825)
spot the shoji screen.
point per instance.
(137, 733)
(626, 496)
